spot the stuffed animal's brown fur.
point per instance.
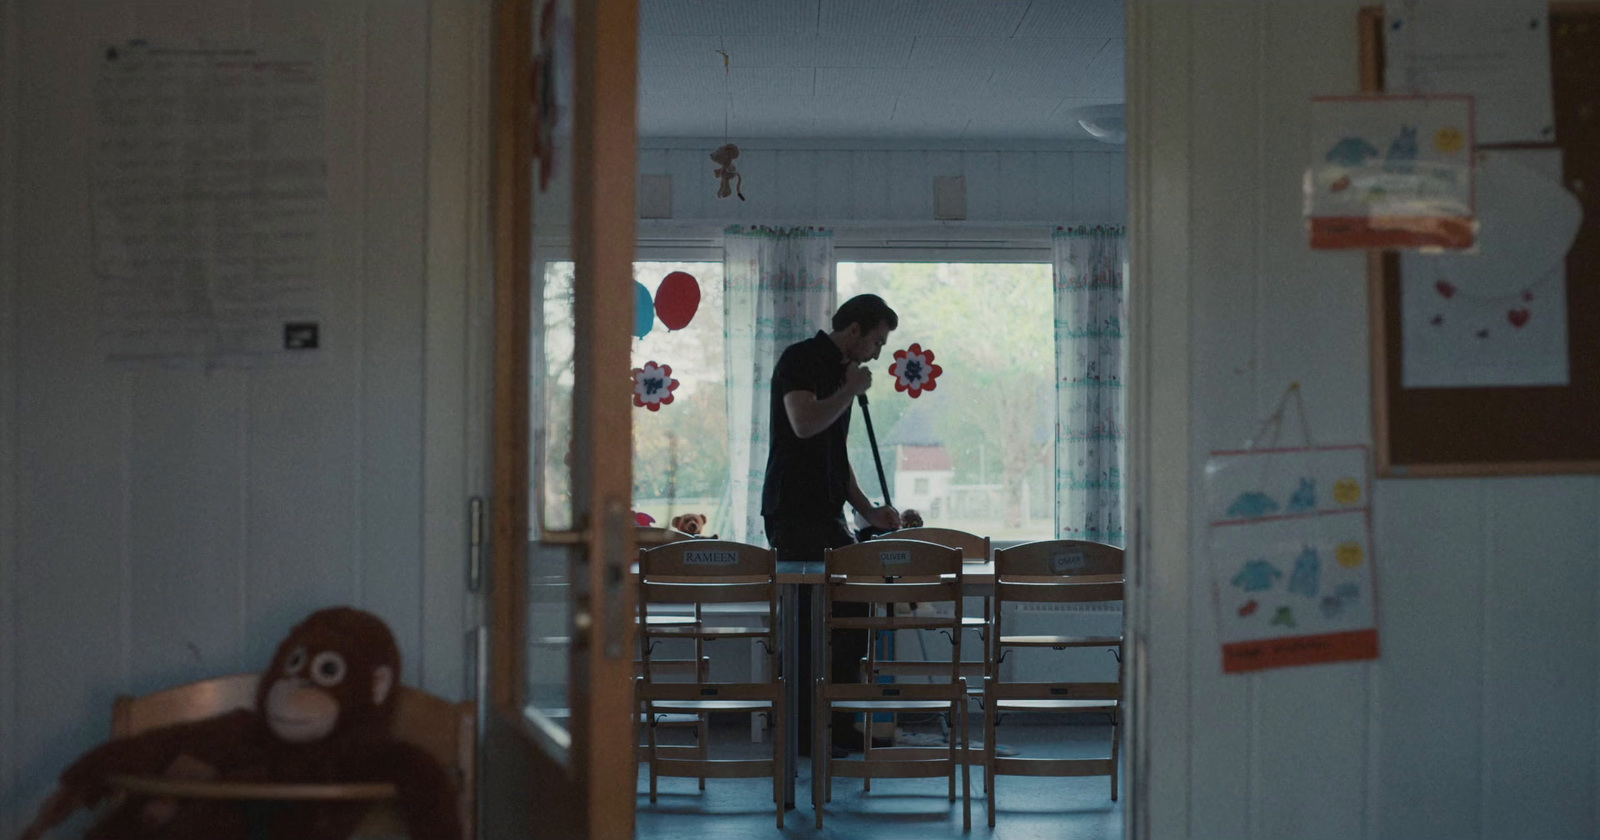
(323, 713)
(726, 171)
(690, 523)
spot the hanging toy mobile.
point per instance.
(914, 371)
(726, 173)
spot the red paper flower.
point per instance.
(913, 370)
(653, 386)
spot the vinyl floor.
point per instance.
(1073, 808)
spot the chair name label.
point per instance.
(710, 558)
(1072, 561)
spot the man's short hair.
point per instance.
(867, 310)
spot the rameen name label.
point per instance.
(710, 558)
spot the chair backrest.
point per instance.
(896, 558)
(648, 535)
(973, 547)
(1059, 570)
(1055, 571)
(890, 571)
(445, 730)
(704, 571)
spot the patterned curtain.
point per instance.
(779, 289)
(1091, 265)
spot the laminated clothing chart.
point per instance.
(1290, 546)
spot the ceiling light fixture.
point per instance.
(1106, 123)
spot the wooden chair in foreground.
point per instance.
(691, 668)
(881, 572)
(1058, 572)
(697, 573)
(974, 549)
(445, 730)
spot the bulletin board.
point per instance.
(1461, 431)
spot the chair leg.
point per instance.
(866, 751)
(703, 738)
(990, 713)
(1114, 745)
(827, 754)
(650, 723)
(966, 769)
(819, 751)
(954, 743)
(778, 752)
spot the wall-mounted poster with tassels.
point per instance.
(1291, 556)
(1290, 550)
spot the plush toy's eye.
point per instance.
(295, 662)
(327, 669)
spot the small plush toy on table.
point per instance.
(323, 715)
(690, 523)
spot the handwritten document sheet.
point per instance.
(209, 191)
(1498, 51)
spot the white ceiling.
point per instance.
(877, 69)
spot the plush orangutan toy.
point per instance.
(323, 714)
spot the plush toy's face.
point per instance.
(336, 669)
(690, 523)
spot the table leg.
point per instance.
(793, 684)
(819, 718)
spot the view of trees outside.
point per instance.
(991, 327)
(680, 453)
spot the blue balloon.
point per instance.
(644, 311)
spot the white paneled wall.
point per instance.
(1480, 720)
(838, 184)
(159, 525)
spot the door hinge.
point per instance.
(475, 544)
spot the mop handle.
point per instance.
(877, 459)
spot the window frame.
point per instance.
(893, 243)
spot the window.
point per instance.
(680, 452)
(978, 452)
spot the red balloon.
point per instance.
(677, 298)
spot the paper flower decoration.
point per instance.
(914, 371)
(653, 386)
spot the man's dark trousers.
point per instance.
(805, 541)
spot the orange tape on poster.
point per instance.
(1391, 233)
(1239, 657)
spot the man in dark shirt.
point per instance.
(809, 478)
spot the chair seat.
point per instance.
(671, 719)
(1058, 705)
(895, 705)
(691, 706)
(696, 631)
(1059, 641)
(663, 620)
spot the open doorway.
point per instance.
(944, 147)
(918, 138)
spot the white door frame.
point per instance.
(1158, 213)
